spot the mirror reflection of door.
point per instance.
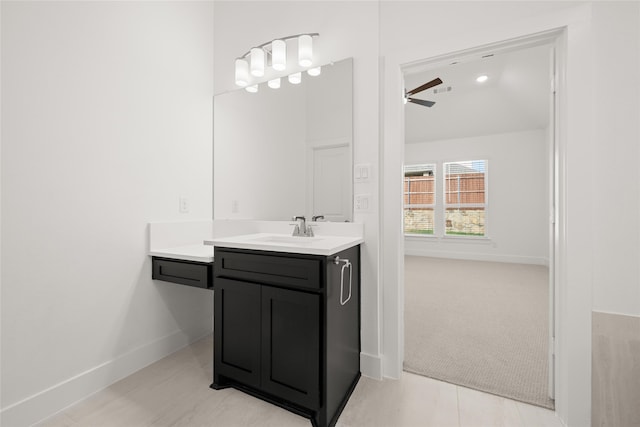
(330, 197)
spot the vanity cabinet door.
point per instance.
(237, 330)
(291, 345)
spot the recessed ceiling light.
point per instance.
(481, 79)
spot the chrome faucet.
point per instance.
(302, 229)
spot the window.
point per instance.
(419, 198)
(465, 198)
(461, 208)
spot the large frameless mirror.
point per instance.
(287, 151)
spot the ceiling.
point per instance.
(515, 97)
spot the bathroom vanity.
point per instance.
(287, 321)
(178, 254)
(185, 272)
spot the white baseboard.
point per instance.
(471, 256)
(616, 313)
(371, 366)
(54, 399)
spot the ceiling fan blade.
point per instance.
(421, 102)
(432, 83)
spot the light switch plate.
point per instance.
(362, 202)
(361, 172)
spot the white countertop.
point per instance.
(318, 245)
(199, 253)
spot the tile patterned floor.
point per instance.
(175, 392)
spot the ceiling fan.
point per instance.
(432, 83)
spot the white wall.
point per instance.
(517, 183)
(347, 29)
(107, 118)
(615, 174)
(465, 25)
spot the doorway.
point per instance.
(508, 126)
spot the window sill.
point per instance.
(420, 236)
(450, 239)
(466, 239)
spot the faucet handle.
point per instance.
(317, 217)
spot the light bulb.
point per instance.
(279, 55)
(242, 72)
(481, 79)
(257, 62)
(252, 88)
(295, 78)
(274, 84)
(314, 71)
(305, 50)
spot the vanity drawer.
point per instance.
(269, 269)
(189, 273)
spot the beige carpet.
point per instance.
(482, 325)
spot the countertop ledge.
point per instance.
(198, 253)
(318, 245)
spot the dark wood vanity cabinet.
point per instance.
(190, 273)
(285, 329)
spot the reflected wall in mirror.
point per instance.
(287, 151)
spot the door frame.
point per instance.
(551, 40)
(575, 157)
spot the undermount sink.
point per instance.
(288, 239)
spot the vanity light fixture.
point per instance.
(274, 83)
(279, 55)
(273, 54)
(257, 62)
(242, 72)
(305, 50)
(314, 71)
(295, 78)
